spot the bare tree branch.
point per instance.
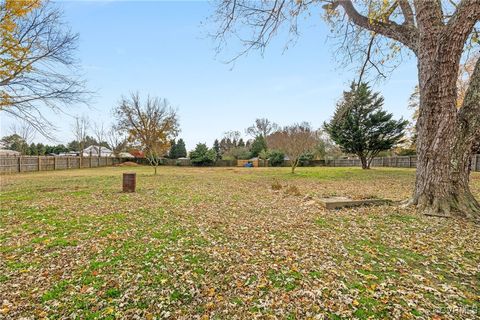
(407, 12)
(401, 33)
(461, 24)
(45, 75)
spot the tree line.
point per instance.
(359, 126)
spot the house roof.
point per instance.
(6, 152)
(96, 148)
(126, 155)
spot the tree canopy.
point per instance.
(177, 149)
(202, 155)
(360, 125)
(150, 124)
(293, 141)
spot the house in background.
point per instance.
(96, 151)
(126, 155)
(6, 153)
(69, 154)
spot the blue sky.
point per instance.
(162, 49)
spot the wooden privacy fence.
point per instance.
(184, 162)
(9, 164)
(398, 162)
(14, 164)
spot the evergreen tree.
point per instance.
(258, 145)
(14, 142)
(202, 156)
(32, 149)
(41, 149)
(172, 154)
(74, 145)
(361, 127)
(241, 143)
(90, 141)
(216, 148)
(181, 151)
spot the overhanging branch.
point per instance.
(404, 34)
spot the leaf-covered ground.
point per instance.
(229, 243)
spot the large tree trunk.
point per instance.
(445, 135)
(364, 161)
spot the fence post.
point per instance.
(20, 164)
(38, 163)
(54, 163)
(409, 161)
(68, 162)
(90, 161)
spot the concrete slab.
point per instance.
(340, 202)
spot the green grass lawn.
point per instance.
(220, 243)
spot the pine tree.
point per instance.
(172, 154)
(361, 127)
(258, 145)
(181, 151)
(202, 156)
(216, 147)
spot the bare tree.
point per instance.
(374, 32)
(116, 141)
(232, 135)
(262, 127)
(294, 141)
(80, 128)
(100, 134)
(38, 68)
(24, 130)
(152, 125)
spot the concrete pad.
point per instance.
(340, 202)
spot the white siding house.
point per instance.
(94, 151)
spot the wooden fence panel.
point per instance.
(15, 164)
(29, 164)
(85, 162)
(397, 162)
(9, 164)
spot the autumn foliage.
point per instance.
(13, 51)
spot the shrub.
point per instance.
(202, 156)
(235, 153)
(276, 158)
(306, 158)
